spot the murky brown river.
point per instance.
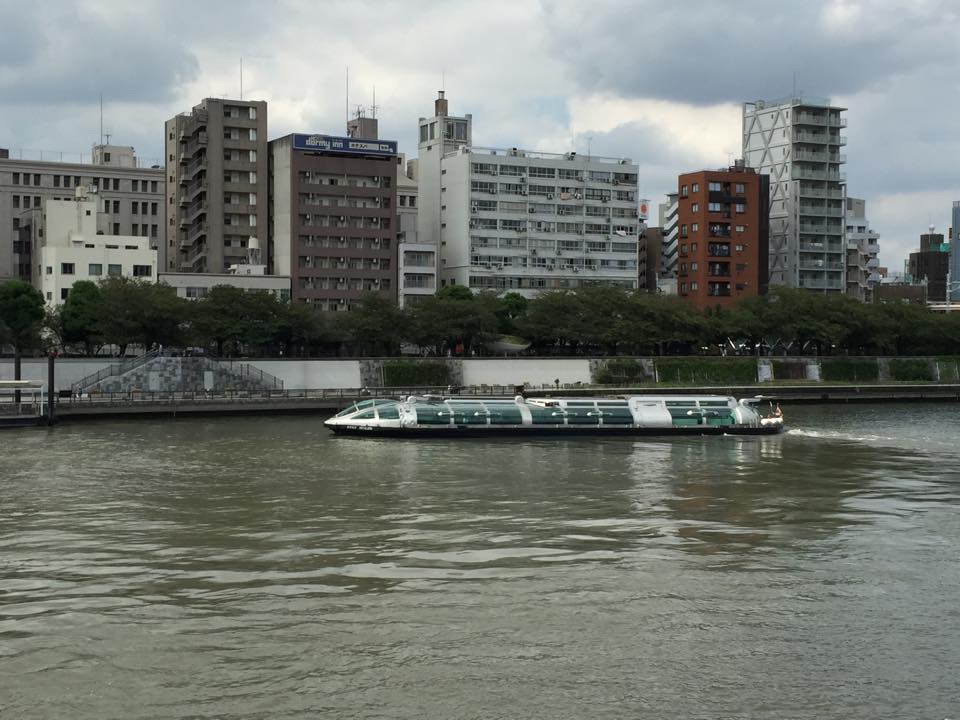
(259, 568)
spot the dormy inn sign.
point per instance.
(352, 146)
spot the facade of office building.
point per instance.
(526, 222)
(797, 142)
(863, 247)
(216, 195)
(723, 236)
(333, 210)
(130, 198)
(66, 247)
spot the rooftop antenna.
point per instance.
(374, 106)
(589, 145)
(794, 83)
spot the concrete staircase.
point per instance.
(160, 373)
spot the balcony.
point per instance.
(718, 250)
(820, 211)
(827, 193)
(872, 249)
(821, 284)
(802, 173)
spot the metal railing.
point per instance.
(114, 369)
(243, 371)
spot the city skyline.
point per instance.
(662, 98)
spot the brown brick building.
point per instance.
(723, 221)
(333, 214)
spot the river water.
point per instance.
(259, 568)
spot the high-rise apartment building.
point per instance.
(668, 222)
(333, 215)
(797, 142)
(723, 236)
(863, 247)
(216, 172)
(129, 198)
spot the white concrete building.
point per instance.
(863, 247)
(439, 136)
(65, 247)
(797, 142)
(130, 195)
(522, 221)
(417, 271)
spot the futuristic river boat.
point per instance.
(434, 416)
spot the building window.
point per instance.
(56, 181)
(694, 286)
(64, 292)
(116, 228)
(16, 201)
(95, 269)
(116, 184)
(36, 179)
(66, 268)
(16, 178)
(153, 208)
(714, 187)
(695, 187)
(683, 231)
(738, 248)
(134, 207)
(693, 267)
(114, 270)
(740, 208)
(116, 209)
(740, 189)
(36, 201)
(142, 271)
(714, 207)
(49, 269)
(741, 228)
(695, 207)
(153, 186)
(694, 227)
(683, 191)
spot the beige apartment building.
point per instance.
(216, 196)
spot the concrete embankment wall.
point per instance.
(346, 374)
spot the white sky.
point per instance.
(659, 82)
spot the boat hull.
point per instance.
(552, 431)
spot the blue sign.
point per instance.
(350, 146)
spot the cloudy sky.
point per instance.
(659, 81)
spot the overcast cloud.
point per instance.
(659, 82)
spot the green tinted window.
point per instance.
(546, 416)
(366, 415)
(583, 416)
(389, 412)
(469, 415)
(352, 408)
(505, 415)
(433, 415)
(617, 416)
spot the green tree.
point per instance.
(374, 326)
(21, 315)
(80, 314)
(299, 327)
